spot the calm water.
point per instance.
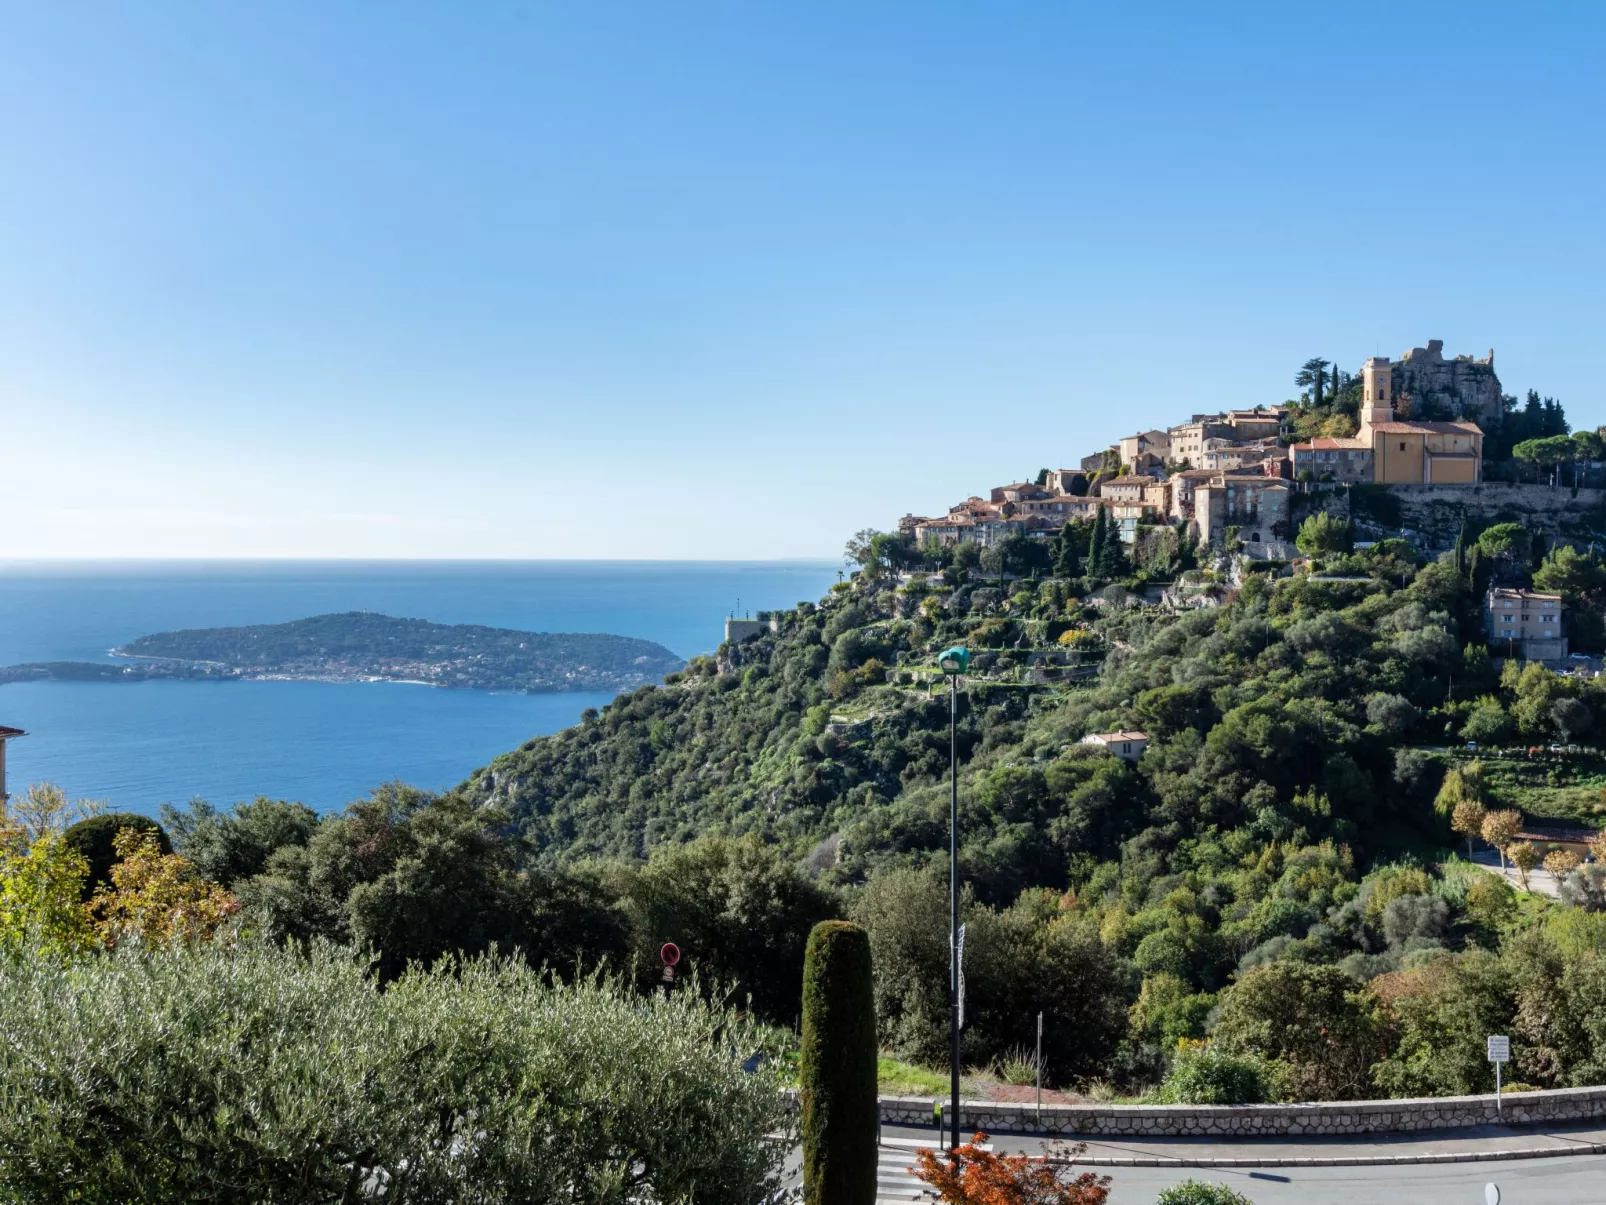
(137, 745)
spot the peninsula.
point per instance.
(360, 646)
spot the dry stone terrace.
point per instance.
(1322, 1118)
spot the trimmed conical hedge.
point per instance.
(838, 1068)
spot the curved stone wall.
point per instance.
(1327, 1117)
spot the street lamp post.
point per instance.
(953, 662)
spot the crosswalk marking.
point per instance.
(894, 1182)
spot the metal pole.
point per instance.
(1039, 1067)
(953, 905)
(1497, 1088)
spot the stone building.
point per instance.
(1188, 439)
(1324, 459)
(1524, 623)
(1019, 492)
(1125, 489)
(1250, 425)
(1412, 452)
(1144, 449)
(1254, 503)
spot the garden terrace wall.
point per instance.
(1203, 1121)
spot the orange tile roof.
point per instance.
(1415, 428)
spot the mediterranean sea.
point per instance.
(140, 744)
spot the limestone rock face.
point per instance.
(1429, 387)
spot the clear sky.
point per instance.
(734, 280)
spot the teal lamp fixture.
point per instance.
(953, 661)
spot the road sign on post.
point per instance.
(671, 955)
(1499, 1046)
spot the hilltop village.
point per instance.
(1425, 448)
(1236, 469)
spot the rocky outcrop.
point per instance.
(1427, 386)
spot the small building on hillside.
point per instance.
(1188, 439)
(739, 630)
(1252, 502)
(6, 734)
(1066, 481)
(1019, 491)
(1129, 745)
(1145, 448)
(1248, 425)
(1525, 623)
(1348, 461)
(1125, 489)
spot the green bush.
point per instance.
(1198, 1192)
(838, 1068)
(95, 839)
(1204, 1075)
(259, 1074)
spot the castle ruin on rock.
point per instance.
(1430, 388)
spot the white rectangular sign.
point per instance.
(1499, 1048)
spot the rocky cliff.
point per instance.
(1427, 386)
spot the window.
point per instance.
(1402, 445)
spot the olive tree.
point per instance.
(256, 1073)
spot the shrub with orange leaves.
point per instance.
(156, 897)
(979, 1177)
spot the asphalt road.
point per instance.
(1550, 1181)
(1573, 1180)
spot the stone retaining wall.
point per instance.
(1331, 1117)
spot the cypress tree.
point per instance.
(1113, 561)
(1065, 552)
(838, 1067)
(1095, 553)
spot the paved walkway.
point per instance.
(1540, 880)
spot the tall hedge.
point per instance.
(838, 1068)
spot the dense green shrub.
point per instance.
(257, 1074)
(1200, 1192)
(95, 839)
(1203, 1074)
(838, 1068)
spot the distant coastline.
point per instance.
(362, 646)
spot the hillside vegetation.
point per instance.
(1268, 905)
(1282, 827)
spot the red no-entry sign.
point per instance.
(670, 953)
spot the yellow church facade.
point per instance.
(1414, 453)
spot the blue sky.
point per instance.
(709, 280)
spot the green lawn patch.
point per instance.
(895, 1078)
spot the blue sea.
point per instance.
(138, 745)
